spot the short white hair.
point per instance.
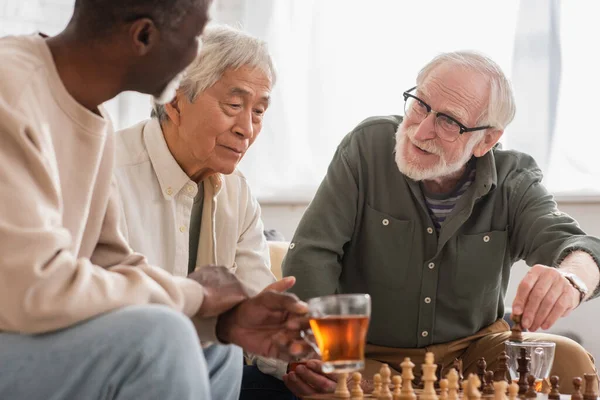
(221, 48)
(501, 103)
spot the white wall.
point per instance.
(582, 321)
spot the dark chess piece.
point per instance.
(516, 330)
(591, 387)
(488, 388)
(438, 375)
(523, 370)
(577, 389)
(502, 372)
(458, 366)
(481, 367)
(554, 392)
(531, 393)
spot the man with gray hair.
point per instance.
(185, 203)
(427, 214)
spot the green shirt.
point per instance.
(368, 230)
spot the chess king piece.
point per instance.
(501, 373)
(523, 370)
(407, 392)
(591, 387)
(500, 388)
(488, 388)
(516, 330)
(481, 369)
(429, 378)
(384, 393)
(554, 392)
(531, 393)
(341, 390)
(397, 381)
(577, 389)
(453, 384)
(356, 392)
(513, 391)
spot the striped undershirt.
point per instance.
(440, 205)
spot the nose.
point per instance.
(243, 125)
(426, 129)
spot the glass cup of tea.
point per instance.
(541, 356)
(338, 333)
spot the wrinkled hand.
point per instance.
(268, 324)
(543, 296)
(307, 379)
(222, 290)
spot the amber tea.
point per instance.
(341, 338)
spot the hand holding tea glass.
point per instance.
(339, 325)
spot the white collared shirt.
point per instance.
(157, 198)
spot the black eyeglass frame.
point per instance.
(462, 127)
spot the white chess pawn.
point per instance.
(385, 373)
(376, 385)
(443, 389)
(356, 393)
(341, 390)
(513, 391)
(500, 390)
(397, 381)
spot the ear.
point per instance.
(490, 138)
(144, 36)
(173, 109)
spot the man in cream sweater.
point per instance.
(82, 316)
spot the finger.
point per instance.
(297, 323)
(523, 291)
(560, 309)
(295, 384)
(283, 302)
(537, 294)
(281, 285)
(317, 367)
(318, 381)
(546, 306)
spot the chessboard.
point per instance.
(494, 385)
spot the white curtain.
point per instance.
(340, 61)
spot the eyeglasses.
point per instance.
(446, 127)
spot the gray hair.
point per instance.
(501, 103)
(221, 48)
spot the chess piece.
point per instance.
(386, 374)
(356, 392)
(501, 373)
(500, 390)
(453, 384)
(481, 369)
(473, 392)
(444, 389)
(591, 387)
(376, 385)
(554, 392)
(397, 381)
(341, 390)
(523, 370)
(488, 388)
(577, 389)
(531, 393)
(407, 392)
(513, 391)
(458, 366)
(516, 331)
(429, 378)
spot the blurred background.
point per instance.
(340, 61)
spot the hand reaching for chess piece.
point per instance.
(545, 295)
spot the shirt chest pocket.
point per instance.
(386, 244)
(479, 264)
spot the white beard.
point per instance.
(410, 167)
(170, 90)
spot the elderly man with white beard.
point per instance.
(427, 214)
